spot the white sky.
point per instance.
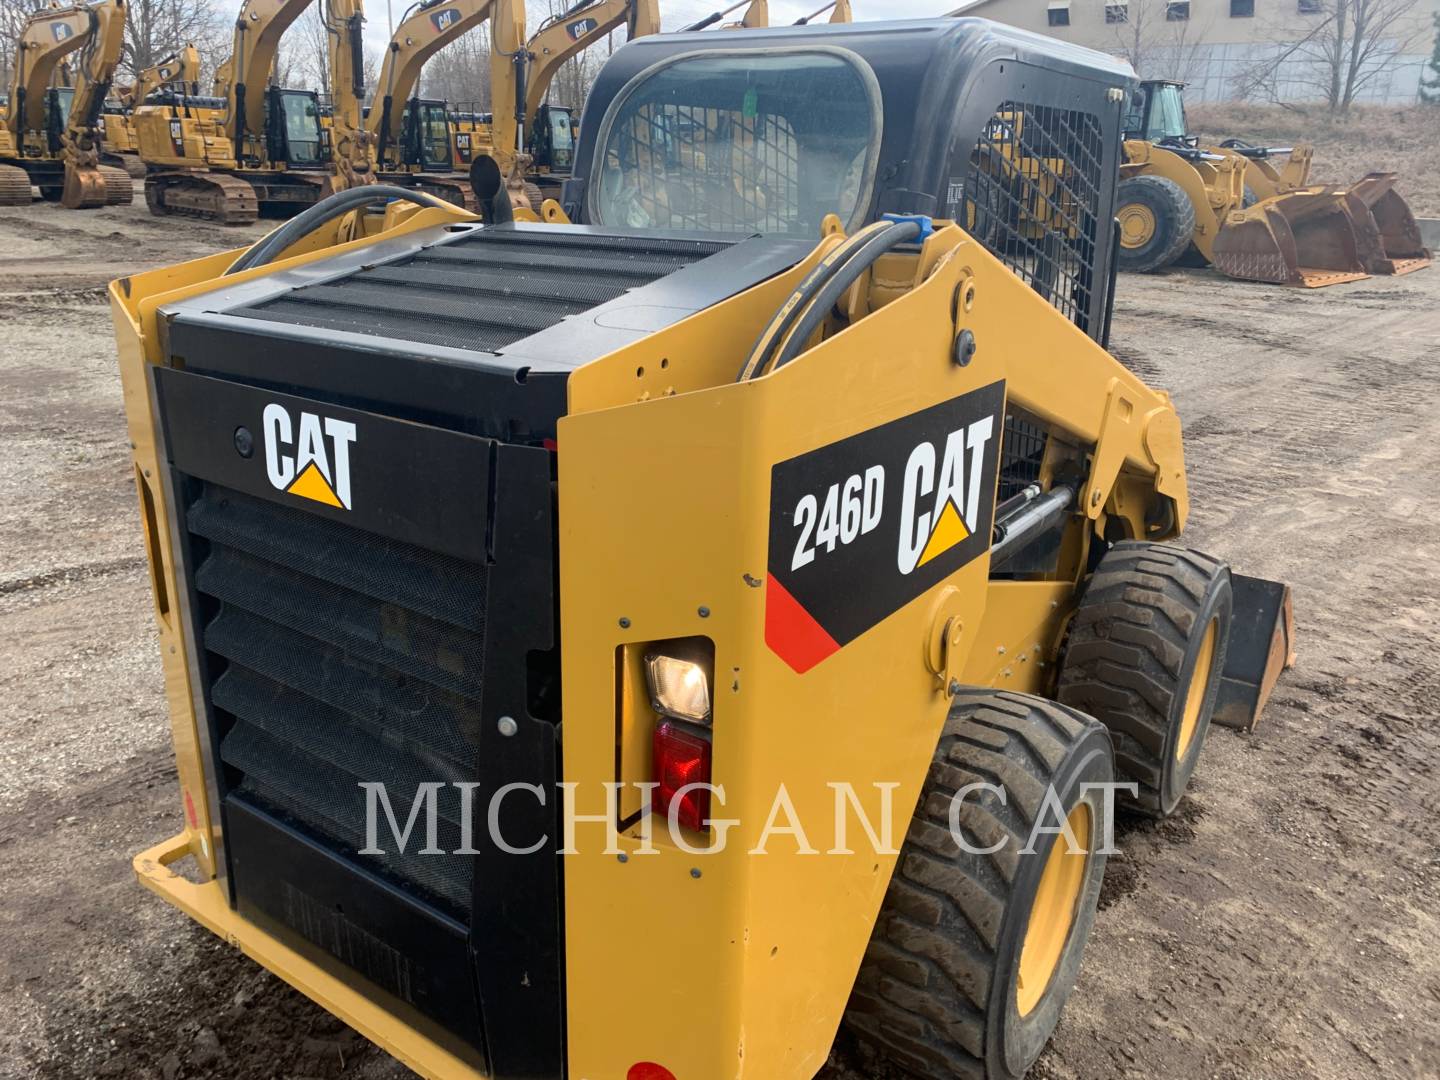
(677, 13)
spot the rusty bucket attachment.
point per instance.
(84, 188)
(1262, 645)
(1402, 250)
(1310, 238)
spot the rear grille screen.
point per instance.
(487, 289)
(339, 657)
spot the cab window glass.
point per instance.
(765, 143)
(302, 127)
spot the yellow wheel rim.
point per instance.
(1137, 225)
(1195, 696)
(1053, 913)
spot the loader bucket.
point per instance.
(84, 188)
(1403, 250)
(1309, 238)
(1262, 645)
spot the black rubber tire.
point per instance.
(936, 993)
(1131, 657)
(1174, 222)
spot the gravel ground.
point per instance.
(1283, 925)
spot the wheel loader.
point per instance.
(51, 136)
(647, 564)
(1232, 207)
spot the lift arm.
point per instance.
(49, 36)
(839, 13)
(426, 28)
(563, 36)
(178, 67)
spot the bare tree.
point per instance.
(1156, 39)
(154, 29)
(307, 45)
(1354, 43)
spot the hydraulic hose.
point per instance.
(830, 291)
(327, 210)
(764, 349)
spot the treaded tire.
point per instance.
(936, 994)
(1174, 222)
(1132, 655)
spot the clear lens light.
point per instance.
(679, 688)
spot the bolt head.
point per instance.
(507, 726)
(244, 442)
(964, 348)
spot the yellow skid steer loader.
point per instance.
(648, 566)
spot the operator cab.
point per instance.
(425, 135)
(293, 128)
(552, 139)
(58, 102)
(1157, 114)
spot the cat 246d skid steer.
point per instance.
(763, 474)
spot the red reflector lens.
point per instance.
(648, 1070)
(681, 758)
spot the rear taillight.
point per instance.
(648, 1070)
(681, 758)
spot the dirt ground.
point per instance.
(1370, 138)
(1284, 925)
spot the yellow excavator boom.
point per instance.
(85, 182)
(49, 36)
(179, 67)
(425, 29)
(567, 35)
(351, 143)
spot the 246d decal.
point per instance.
(861, 527)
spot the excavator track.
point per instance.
(455, 189)
(131, 163)
(14, 186)
(226, 200)
(119, 186)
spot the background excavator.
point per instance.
(411, 135)
(260, 148)
(51, 136)
(181, 68)
(1245, 213)
(552, 128)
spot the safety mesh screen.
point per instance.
(714, 170)
(486, 290)
(1032, 194)
(1022, 452)
(339, 657)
